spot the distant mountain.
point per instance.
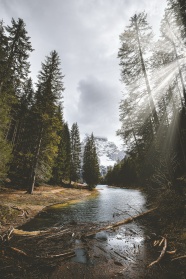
(108, 153)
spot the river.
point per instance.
(110, 205)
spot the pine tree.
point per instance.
(16, 66)
(75, 164)
(135, 42)
(90, 163)
(15, 48)
(21, 151)
(3, 50)
(45, 135)
(61, 169)
(178, 7)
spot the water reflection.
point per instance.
(111, 205)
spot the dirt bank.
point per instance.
(17, 207)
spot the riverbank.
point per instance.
(65, 250)
(17, 207)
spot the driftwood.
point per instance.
(162, 253)
(120, 223)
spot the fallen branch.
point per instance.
(19, 251)
(10, 233)
(24, 211)
(26, 233)
(123, 222)
(67, 254)
(17, 208)
(161, 242)
(156, 242)
(171, 252)
(162, 253)
(179, 258)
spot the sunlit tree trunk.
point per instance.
(151, 101)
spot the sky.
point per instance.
(85, 33)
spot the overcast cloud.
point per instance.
(86, 35)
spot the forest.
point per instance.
(153, 108)
(36, 144)
(38, 148)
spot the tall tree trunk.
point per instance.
(178, 129)
(177, 60)
(134, 135)
(34, 164)
(151, 101)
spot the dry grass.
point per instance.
(43, 196)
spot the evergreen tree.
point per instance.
(16, 66)
(135, 42)
(61, 169)
(3, 50)
(90, 163)
(45, 136)
(21, 151)
(178, 8)
(75, 164)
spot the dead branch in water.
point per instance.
(162, 253)
(120, 223)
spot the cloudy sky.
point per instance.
(85, 33)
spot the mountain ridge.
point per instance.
(108, 152)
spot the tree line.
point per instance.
(36, 144)
(153, 107)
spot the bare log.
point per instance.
(26, 233)
(162, 253)
(120, 223)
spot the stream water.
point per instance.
(110, 205)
